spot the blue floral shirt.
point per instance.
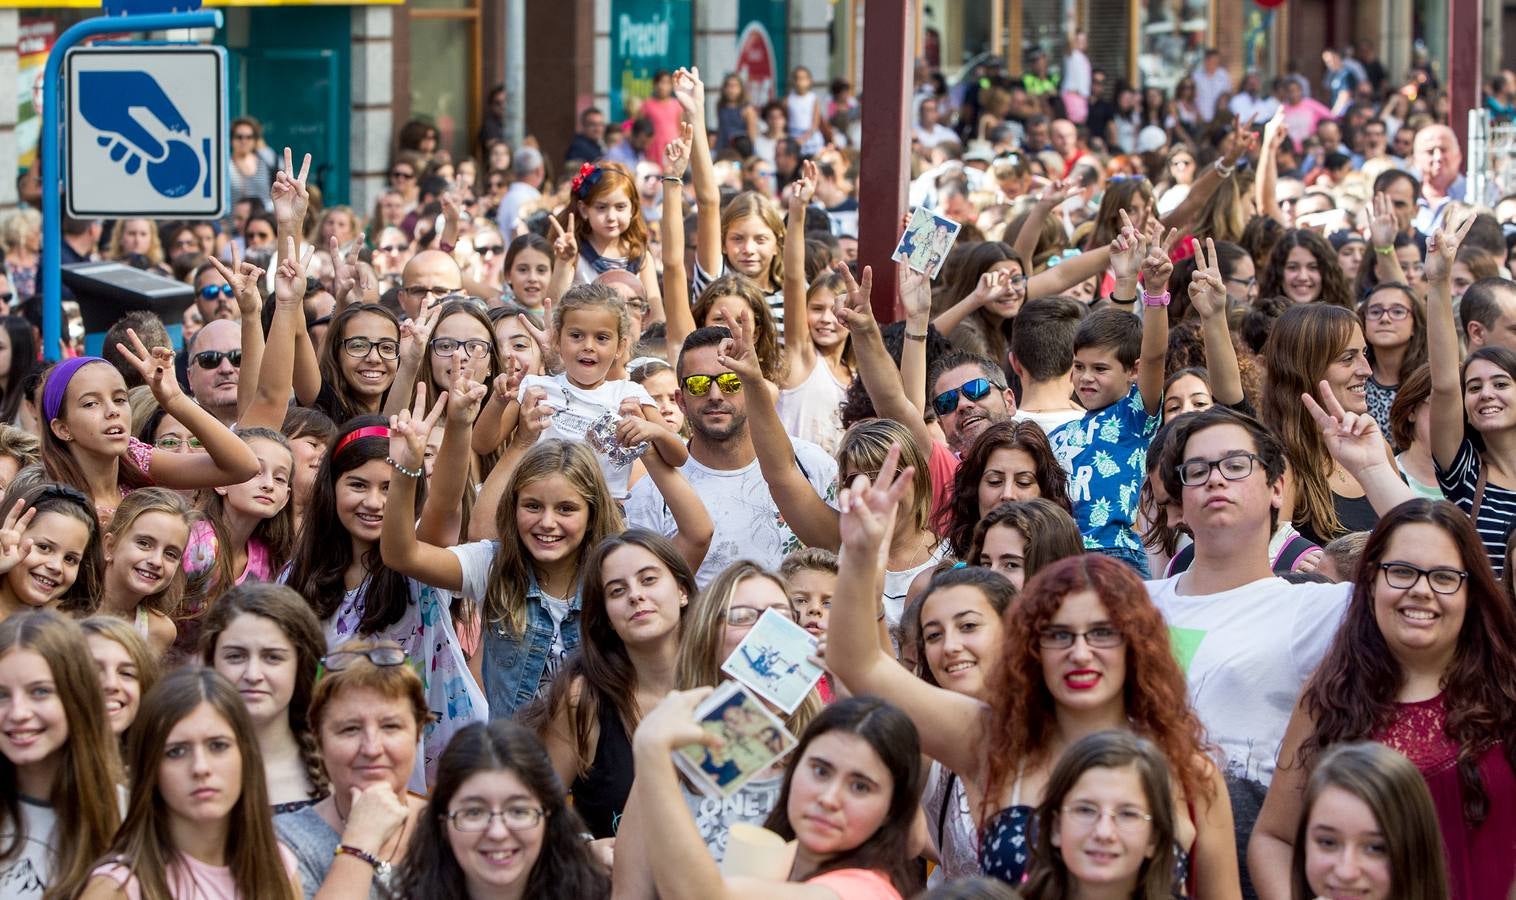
(1105, 454)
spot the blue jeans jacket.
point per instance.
(513, 664)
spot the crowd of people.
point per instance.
(1166, 530)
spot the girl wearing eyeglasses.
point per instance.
(636, 588)
(1106, 824)
(197, 823)
(358, 362)
(1085, 652)
(49, 551)
(1425, 663)
(88, 445)
(1395, 326)
(498, 825)
(368, 710)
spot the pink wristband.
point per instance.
(1155, 299)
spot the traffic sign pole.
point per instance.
(52, 175)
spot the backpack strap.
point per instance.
(1294, 548)
(1479, 483)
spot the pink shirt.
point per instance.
(1302, 118)
(201, 552)
(853, 884)
(665, 116)
(191, 879)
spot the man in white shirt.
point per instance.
(929, 130)
(1042, 355)
(1250, 103)
(1211, 81)
(528, 173)
(1247, 640)
(723, 468)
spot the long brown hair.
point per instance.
(614, 177)
(58, 457)
(601, 667)
(1352, 695)
(277, 532)
(149, 670)
(1301, 346)
(155, 500)
(340, 404)
(956, 520)
(83, 795)
(1416, 348)
(1335, 290)
(766, 345)
(1021, 722)
(751, 204)
(146, 841)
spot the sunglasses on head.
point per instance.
(383, 656)
(947, 401)
(700, 385)
(210, 359)
(210, 291)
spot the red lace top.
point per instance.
(1482, 860)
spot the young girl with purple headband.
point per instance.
(87, 442)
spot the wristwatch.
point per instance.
(381, 868)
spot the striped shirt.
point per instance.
(1497, 511)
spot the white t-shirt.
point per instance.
(898, 584)
(715, 817)
(812, 409)
(578, 408)
(1246, 654)
(26, 875)
(929, 138)
(748, 524)
(1049, 420)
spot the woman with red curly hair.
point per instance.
(1425, 663)
(1085, 651)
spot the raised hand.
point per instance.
(676, 153)
(1241, 142)
(1383, 225)
(246, 280)
(1056, 192)
(804, 187)
(915, 292)
(290, 195)
(867, 508)
(565, 244)
(465, 396)
(1128, 251)
(540, 335)
(1352, 438)
(375, 814)
(689, 90)
(536, 416)
(289, 278)
(671, 724)
(1207, 288)
(1157, 266)
(411, 427)
(416, 334)
(14, 547)
(1442, 248)
(156, 367)
(737, 352)
(854, 308)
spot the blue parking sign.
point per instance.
(146, 132)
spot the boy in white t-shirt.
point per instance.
(618, 418)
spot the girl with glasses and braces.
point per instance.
(1085, 652)
(1424, 663)
(359, 361)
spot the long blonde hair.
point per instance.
(753, 204)
(139, 503)
(513, 571)
(862, 452)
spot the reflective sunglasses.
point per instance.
(947, 401)
(210, 359)
(700, 385)
(210, 291)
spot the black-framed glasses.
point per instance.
(210, 291)
(473, 347)
(1102, 637)
(359, 347)
(210, 359)
(744, 616)
(1393, 313)
(1403, 577)
(947, 401)
(1233, 467)
(700, 385)
(383, 656)
(478, 818)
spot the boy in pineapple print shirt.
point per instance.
(1105, 452)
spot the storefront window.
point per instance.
(1171, 39)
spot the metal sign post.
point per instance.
(171, 176)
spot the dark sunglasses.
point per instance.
(489, 249)
(402, 175)
(210, 359)
(947, 401)
(700, 385)
(210, 291)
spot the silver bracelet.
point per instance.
(408, 473)
(1224, 170)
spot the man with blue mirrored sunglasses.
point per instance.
(968, 393)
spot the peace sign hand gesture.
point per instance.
(676, 153)
(290, 195)
(465, 396)
(410, 428)
(1442, 248)
(1207, 289)
(867, 508)
(1157, 266)
(246, 280)
(1352, 438)
(289, 279)
(737, 352)
(13, 547)
(804, 187)
(156, 367)
(1128, 251)
(536, 416)
(565, 244)
(416, 334)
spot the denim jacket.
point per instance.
(513, 664)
